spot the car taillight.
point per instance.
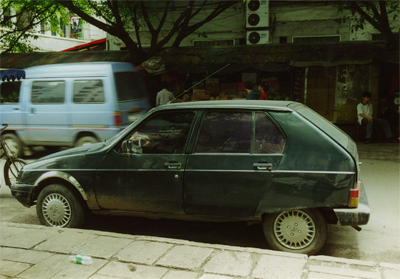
(355, 194)
(117, 119)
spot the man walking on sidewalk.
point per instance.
(164, 96)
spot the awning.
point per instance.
(25, 60)
(11, 75)
(276, 58)
(95, 45)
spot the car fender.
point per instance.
(64, 176)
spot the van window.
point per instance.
(88, 91)
(9, 92)
(130, 86)
(48, 92)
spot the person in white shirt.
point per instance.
(364, 114)
(164, 96)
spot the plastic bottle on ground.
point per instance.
(79, 259)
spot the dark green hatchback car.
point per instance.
(274, 162)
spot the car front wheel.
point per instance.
(297, 231)
(57, 206)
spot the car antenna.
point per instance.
(199, 82)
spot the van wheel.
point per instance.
(296, 231)
(13, 143)
(85, 141)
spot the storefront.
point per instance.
(329, 78)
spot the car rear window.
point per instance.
(130, 86)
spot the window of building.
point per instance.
(282, 40)
(214, 43)
(316, 39)
(380, 37)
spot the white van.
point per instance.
(71, 104)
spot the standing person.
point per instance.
(364, 114)
(262, 87)
(248, 86)
(164, 96)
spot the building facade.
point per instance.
(330, 84)
(75, 33)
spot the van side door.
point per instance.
(47, 114)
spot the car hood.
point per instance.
(74, 151)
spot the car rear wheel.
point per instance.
(57, 206)
(297, 231)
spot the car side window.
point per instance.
(48, 92)
(163, 133)
(88, 91)
(267, 137)
(225, 132)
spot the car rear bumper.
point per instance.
(355, 216)
(23, 193)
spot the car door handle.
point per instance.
(173, 165)
(263, 166)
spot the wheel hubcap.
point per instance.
(294, 229)
(56, 210)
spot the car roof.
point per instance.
(236, 104)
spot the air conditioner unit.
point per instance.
(257, 14)
(257, 37)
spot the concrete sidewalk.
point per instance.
(32, 251)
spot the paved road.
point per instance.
(378, 241)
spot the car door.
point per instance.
(47, 113)
(232, 164)
(149, 177)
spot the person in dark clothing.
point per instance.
(248, 86)
(364, 115)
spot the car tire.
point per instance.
(57, 206)
(13, 143)
(86, 141)
(296, 231)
